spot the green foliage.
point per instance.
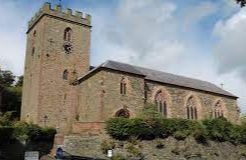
(6, 119)
(19, 82)
(107, 145)
(11, 100)
(150, 112)
(219, 129)
(243, 134)
(118, 157)
(10, 92)
(133, 150)
(243, 118)
(48, 133)
(6, 78)
(213, 129)
(118, 128)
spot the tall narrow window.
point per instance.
(65, 75)
(35, 33)
(123, 86)
(218, 110)
(191, 109)
(161, 104)
(67, 34)
(33, 51)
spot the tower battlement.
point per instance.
(57, 12)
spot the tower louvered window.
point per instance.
(67, 34)
(65, 75)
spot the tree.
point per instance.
(10, 92)
(243, 118)
(19, 82)
(241, 2)
(7, 78)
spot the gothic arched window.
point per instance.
(123, 113)
(65, 74)
(191, 109)
(161, 103)
(218, 110)
(123, 86)
(67, 34)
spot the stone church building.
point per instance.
(62, 90)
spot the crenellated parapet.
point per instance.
(57, 12)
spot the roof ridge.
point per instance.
(161, 71)
(163, 77)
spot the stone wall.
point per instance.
(100, 98)
(159, 149)
(205, 101)
(48, 99)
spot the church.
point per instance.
(62, 90)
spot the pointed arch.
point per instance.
(193, 107)
(123, 113)
(162, 100)
(219, 109)
(123, 87)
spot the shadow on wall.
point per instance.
(15, 150)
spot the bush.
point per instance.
(20, 130)
(133, 150)
(6, 119)
(118, 128)
(32, 132)
(6, 133)
(220, 129)
(118, 157)
(243, 133)
(107, 145)
(47, 133)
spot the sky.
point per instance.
(199, 39)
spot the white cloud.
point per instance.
(156, 34)
(195, 14)
(230, 48)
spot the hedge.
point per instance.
(218, 129)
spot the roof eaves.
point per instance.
(202, 90)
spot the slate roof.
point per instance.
(163, 77)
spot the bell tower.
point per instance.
(57, 51)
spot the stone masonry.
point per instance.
(46, 95)
(61, 91)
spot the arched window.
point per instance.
(218, 110)
(65, 74)
(161, 103)
(123, 86)
(67, 34)
(191, 109)
(123, 113)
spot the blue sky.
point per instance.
(201, 39)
